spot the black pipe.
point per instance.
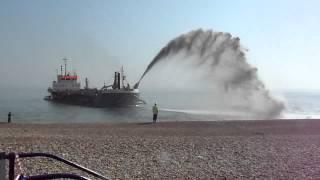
(136, 86)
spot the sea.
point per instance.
(28, 106)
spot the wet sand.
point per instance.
(273, 149)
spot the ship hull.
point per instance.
(97, 99)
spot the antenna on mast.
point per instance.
(65, 65)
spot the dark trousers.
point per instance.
(155, 117)
(9, 119)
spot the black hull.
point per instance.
(114, 99)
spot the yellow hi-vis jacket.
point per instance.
(155, 110)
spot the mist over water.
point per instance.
(211, 63)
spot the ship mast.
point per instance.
(61, 70)
(65, 65)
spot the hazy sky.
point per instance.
(99, 36)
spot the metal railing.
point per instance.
(12, 157)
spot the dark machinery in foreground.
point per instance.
(13, 158)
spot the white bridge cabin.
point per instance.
(66, 83)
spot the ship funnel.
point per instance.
(119, 83)
(115, 82)
(87, 84)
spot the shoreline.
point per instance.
(165, 122)
(268, 149)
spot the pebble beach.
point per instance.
(264, 149)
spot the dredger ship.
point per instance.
(66, 89)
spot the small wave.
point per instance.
(300, 116)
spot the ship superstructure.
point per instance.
(67, 89)
(65, 81)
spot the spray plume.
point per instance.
(223, 59)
